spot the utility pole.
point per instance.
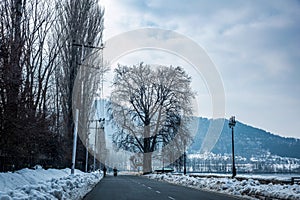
(86, 153)
(101, 122)
(101, 139)
(82, 59)
(231, 124)
(184, 158)
(163, 156)
(74, 142)
(95, 146)
(184, 162)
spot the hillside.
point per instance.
(249, 141)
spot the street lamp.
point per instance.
(231, 124)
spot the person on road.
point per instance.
(104, 171)
(115, 171)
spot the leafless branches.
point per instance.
(150, 106)
(38, 66)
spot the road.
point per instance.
(141, 188)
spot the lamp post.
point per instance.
(95, 147)
(184, 162)
(74, 142)
(184, 158)
(87, 152)
(231, 124)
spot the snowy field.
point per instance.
(250, 188)
(46, 184)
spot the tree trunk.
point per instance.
(13, 79)
(147, 163)
(147, 156)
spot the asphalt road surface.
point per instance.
(140, 188)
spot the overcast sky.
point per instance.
(254, 44)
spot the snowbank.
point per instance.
(250, 187)
(46, 184)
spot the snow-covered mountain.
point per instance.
(249, 141)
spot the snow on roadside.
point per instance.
(250, 187)
(46, 184)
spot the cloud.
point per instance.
(255, 45)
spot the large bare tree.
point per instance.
(149, 106)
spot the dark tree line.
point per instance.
(38, 67)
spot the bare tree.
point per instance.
(12, 43)
(149, 106)
(79, 27)
(27, 61)
(38, 66)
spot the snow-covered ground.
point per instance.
(246, 188)
(269, 176)
(59, 184)
(46, 184)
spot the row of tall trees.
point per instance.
(49, 66)
(38, 66)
